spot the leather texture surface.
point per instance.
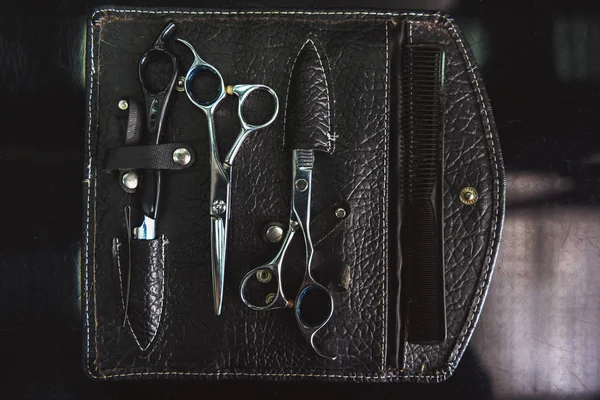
(307, 118)
(141, 289)
(153, 156)
(259, 47)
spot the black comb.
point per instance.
(422, 234)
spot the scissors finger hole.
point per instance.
(314, 306)
(205, 85)
(258, 107)
(156, 71)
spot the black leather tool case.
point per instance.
(172, 330)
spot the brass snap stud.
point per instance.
(180, 84)
(264, 276)
(270, 297)
(469, 196)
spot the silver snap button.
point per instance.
(123, 105)
(182, 156)
(274, 233)
(340, 213)
(130, 180)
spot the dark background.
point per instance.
(539, 334)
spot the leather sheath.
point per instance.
(176, 330)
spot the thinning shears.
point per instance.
(311, 294)
(221, 172)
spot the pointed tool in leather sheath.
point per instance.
(308, 111)
(307, 129)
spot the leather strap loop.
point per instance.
(158, 156)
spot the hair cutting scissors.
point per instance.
(221, 172)
(311, 293)
(157, 101)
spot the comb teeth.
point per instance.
(305, 159)
(422, 226)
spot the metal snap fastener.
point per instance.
(219, 207)
(182, 156)
(264, 276)
(340, 213)
(180, 84)
(468, 196)
(130, 180)
(123, 105)
(301, 184)
(269, 298)
(274, 233)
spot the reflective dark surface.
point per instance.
(539, 334)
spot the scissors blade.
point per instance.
(146, 231)
(220, 206)
(218, 234)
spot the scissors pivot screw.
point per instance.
(182, 156)
(301, 184)
(123, 105)
(340, 213)
(264, 276)
(269, 298)
(274, 233)
(219, 207)
(130, 180)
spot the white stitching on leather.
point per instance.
(373, 377)
(482, 290)
(292, 374)
(182, 12)
(89, 188)
(384, 335)
(287, 93)
(331, 143)
(95, 292)
(405, 346)
(331, 147)
(123, 297)
(119, 270)
(162, 301)
(332, 131)
(165, 242)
